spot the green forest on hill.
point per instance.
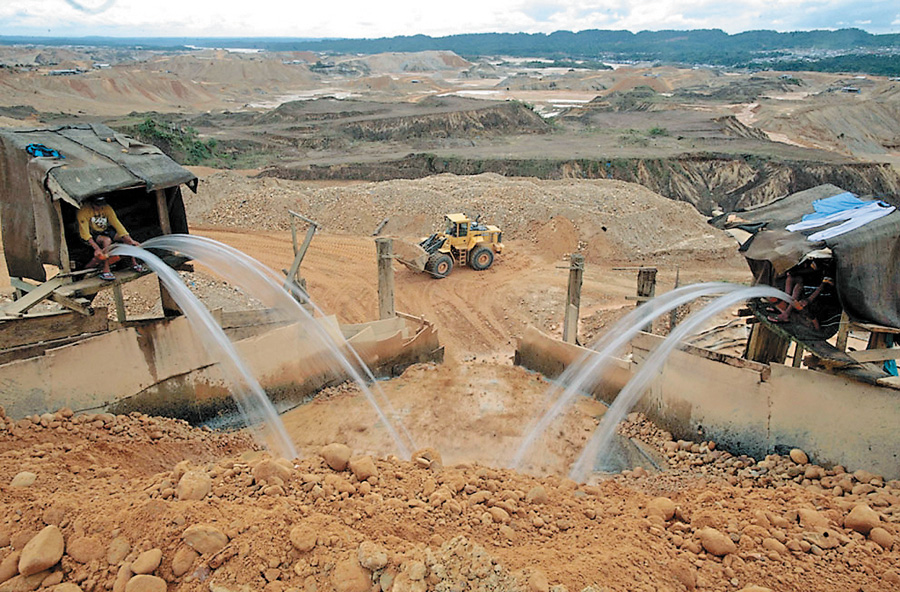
(843, 50)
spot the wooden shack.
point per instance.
(46, 174)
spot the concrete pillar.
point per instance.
(573, 299)
(385, 251)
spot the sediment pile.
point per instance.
(608, 218)
(104, 502)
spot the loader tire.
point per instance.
(481, 258)
(439, 265)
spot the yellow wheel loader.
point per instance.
(463, 242)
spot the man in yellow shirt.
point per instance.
(99, 226)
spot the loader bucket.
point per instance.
(411, 255)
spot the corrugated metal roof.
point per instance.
(97, 160)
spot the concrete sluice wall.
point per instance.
(747, 407)
(161, 367)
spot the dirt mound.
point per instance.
(494, 119)
(225, 520)
(423, 61)
(431, 118)
(740, 91)
(238, 71)
(867, 126)
(608, 218)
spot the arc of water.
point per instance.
(230, 263)
(246, 391)
(592, 363)
(632, 392)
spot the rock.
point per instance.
(770, 544)
(499, 515)
(536, 495)
(403, 583)
(363, 467)
(428, 458)
(9, 567)
(84, 549)
(193, 485)
(415, 570)
(350, 576)
(267, 470)
(755, 589)
(799, 457)
(716, 542)
(662, 507)
(53, 579)
(145, 583)
(892, 576)
(824, 538)
(23, 479)
(336, 455)
(67, 587)
(811, 519)
(864, 476)
(303, 538)
(118, 549)
(537, 582)
(147, 562)
(684, 573)
(882, 537)
(183, 560)
(122, 576)
(371, 556)
(205, 539)
(862, 519)
(23, 583)
(42, 552)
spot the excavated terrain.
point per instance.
(96, 502)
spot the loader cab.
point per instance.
(457, 227)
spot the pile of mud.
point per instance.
(604, 219)
(103, 502)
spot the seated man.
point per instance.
(799, 286)
(98, 226)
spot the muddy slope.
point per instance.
(707, 181)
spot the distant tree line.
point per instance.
(842, 50)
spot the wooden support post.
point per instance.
(169, 306)
(646, 283)
(385, 250)
(766, 346)
(673, 316)
(646, 290)
(573, 298)
(293, 274)
(120, 302)
(843, 332)
(65, 263)
(162, 208)
(798, 355)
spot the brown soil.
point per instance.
(125, 490)
(191, 511)
(450, 518)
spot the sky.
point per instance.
(387, 18)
